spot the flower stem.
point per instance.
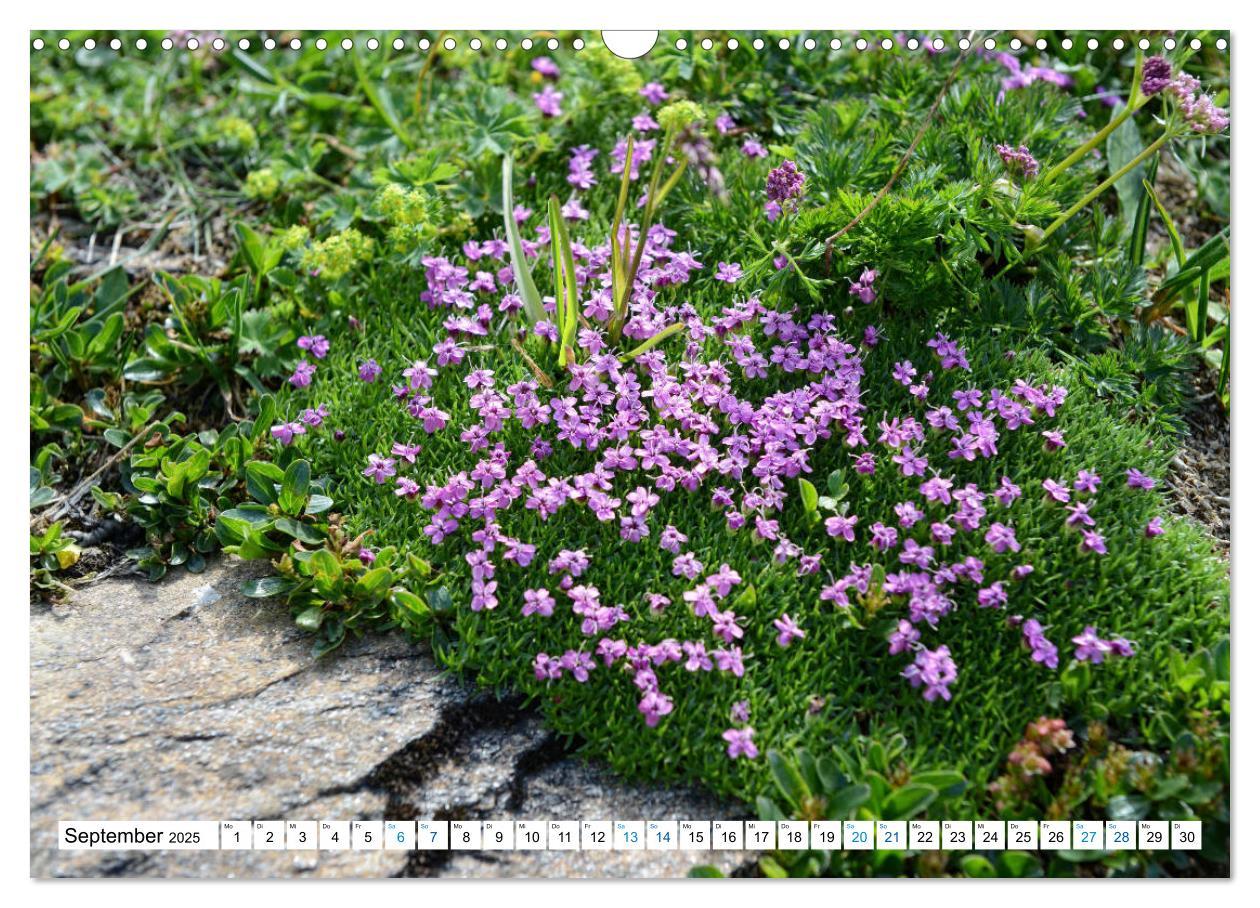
(1106, 184)
(1132, 106)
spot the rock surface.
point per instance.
(185, 700)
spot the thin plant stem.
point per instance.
(1105, 185)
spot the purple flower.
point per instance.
(302, 374)
(729, 272)
(367, 556)
(1043, 651)
(369, 371)
(654, 706)
(538, 602)
(548, 101)
(687, 565)
(316, 345)
(1086, 482)
(1138, 480)
(1089, 648)
(545, 67)
(407, 452)
(1078, 514)
(740, 711)
(903, 638)
(1007, 492)
(1056, 492)
(723, 581)
(904, 372)
(788, 630)
(785, 183)
(934, 671)
(754, 149)
(864, 287)
(285, 432)
(1001, 538)
(1054, 440)
(379, 468)
(1156, 75)
(739, 743)
(654, 92)
(1093, 542)
(1155, 527)
(841, 527)
(993, 596)
(1019, 159)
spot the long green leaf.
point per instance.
(566, 283)
(653, 341)
(520, 268)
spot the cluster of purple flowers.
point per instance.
(581, 173)
(785, 184)
(1022, 76)
(661, 426)
(1199, 109)
(1019, 159)
(864, 287)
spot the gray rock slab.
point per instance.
(186, 700)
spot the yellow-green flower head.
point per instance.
(334, 257)
(294, 237)
(235, 132)
(262, 184)
(679, 115)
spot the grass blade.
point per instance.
(520, 268)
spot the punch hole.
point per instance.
(630, 45)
